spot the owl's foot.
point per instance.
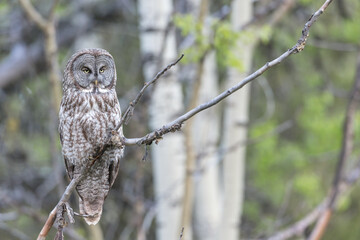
(70, 212)
(116, 139)
(85, 215)
(62, 210)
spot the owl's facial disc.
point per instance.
(94, 74)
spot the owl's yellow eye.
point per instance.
(102, 70)
(85, 70)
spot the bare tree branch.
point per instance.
(34, 15)
(64, 198)
(177, 123)
(299, 227)
(130, 110)
(47, 226)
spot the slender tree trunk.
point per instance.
(168, 155)
(202, 136)
(205, 138)
(235, 130)
(199, 9)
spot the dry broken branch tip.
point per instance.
(130, 110)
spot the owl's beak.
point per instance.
(96, 86)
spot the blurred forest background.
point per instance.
(247, 168)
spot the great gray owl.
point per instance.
(89, 109)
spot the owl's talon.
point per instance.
(69, 212)
(116, 139)
(85, 215)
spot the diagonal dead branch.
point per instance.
(177, 123)
(64, 198)
(130, 110)
(47, 226)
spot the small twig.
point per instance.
(181, 233)
(69, 212)
(130, 110)
(299, 227)
(83, 215)
(146, 153)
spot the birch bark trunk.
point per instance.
(168, 156)
(204, 138)
(235, 129)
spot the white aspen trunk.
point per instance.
(235, 129)
(201, 215)
(205, 137)
(168, 156)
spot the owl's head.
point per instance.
(90, 70)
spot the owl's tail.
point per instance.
(93, 210)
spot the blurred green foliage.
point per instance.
(287, 174)
(311, 89)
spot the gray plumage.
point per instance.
(89, 108)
